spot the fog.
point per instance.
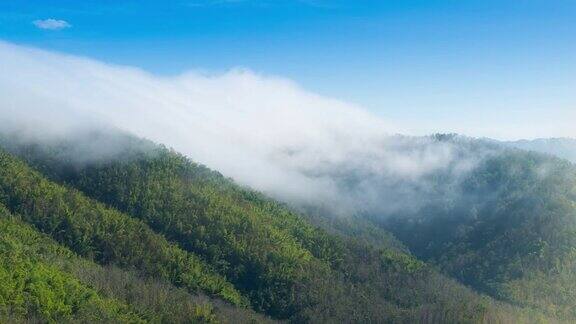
(263, 131)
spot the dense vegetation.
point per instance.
(100, 233)
(511, 232)
(34, 288)
(48, 282)
(500, 220)
(227, 241)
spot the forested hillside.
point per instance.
(498, 219)
(152, 213)
(33, 287)
(103, 234)
(512, 232)
(46, 282)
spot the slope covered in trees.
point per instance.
(285, 267)
(44, 281)
(94, 231)
(498, 219)
(33, 288)
(510, 232)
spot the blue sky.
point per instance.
(405, 60)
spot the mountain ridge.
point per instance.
(355, 275)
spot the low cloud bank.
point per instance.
(265, 132)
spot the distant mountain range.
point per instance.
(564, 148)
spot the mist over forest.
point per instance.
(240, 197)
(308, 149)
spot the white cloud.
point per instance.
(265, 132)
(51, 24)
(239, 122)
